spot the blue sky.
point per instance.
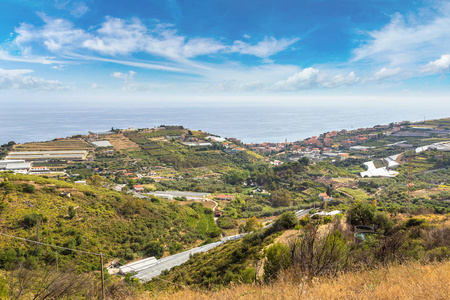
(231, 49)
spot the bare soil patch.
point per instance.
(119, 142)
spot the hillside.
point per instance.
(110, 210)
(92, 219)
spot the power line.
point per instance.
(60, 247)
(88, 252)
(70, 249)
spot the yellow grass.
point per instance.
(150, 187)
(119, 142)
(412, 281)
(256, 155)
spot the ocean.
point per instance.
(249, 122)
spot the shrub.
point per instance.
(248, 275)
(287, 220)
(438, 254)
(327, 219)
(154, 249)
(278, 259)
(315, 255)
(29, 188)
(414, 222)
(383, 221)
(227, 223)
(31, 220)
(72, 212)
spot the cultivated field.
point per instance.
(119, 141)
(58, 145)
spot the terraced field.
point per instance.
(57, 145)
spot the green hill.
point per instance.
(92, 219)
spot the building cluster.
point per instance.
(72, 155)
(267, 147)
(22, 167)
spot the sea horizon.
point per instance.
(250, 122)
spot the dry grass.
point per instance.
(412, 281)
(119, 142)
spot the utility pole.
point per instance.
(285, 151)
(103, 278)
(409, 182)
(37, 235)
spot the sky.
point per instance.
(216, 49)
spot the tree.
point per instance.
(31, 220)
(304, 161)
(383, 221)
(361, 213)
(281, 197)
(95, 180)
(252, 224)
(72, 212)
(287, 220)
(154, 249)
(329, 190)
(236, 177)
(29, 188)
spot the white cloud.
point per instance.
(56, 34)
(406, 41)
(310, 78)
(79, 9)
(305, 79)
(15, 72)
(117, 36)
(263, 49)
(125, 76)
(339, 80)
(14, 79)
(385, 73)
(76, 9)
(441, 65)
(59, 68)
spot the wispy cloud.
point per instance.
(385, 73)
(46, 60)
(310, 78)
(15, 80)
(57, 35)
(263, 49)
(79, 9)
(130, 62)
(408, 40)
(126, 37)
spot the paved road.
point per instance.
(147, 271)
